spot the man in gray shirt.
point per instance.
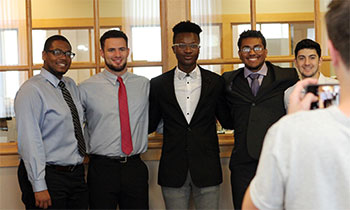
(50, 140)
(116, 109)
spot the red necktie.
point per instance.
(124, 118)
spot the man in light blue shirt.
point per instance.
(51, 173)
(116, 177)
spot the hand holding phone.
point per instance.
(328, 94)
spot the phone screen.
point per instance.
(328, 94)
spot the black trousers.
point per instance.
(113, 183)
(241, 176)
(67, 189)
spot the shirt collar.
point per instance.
(181, 75)
(262, 71)
(113, 78)
(51, 78)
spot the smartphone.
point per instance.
(328, 94)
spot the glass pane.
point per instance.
(277, 38)
(287, 65)
(10, 81)
(13, 32)
(236, 31)
(213, 68)
(9, 47)
(150, 50)
(39, 37)
(216, 18)
(66, 15)
(61, 14)
(300, 31)
(8, 132)
(210, 40)
(296, 7)
(275, 22)
(148, 72)
(79, 39)
(217, 68)
(80, 75)
(140, 20)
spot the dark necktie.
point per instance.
(76, 122)
(255, 83)
(124, 118)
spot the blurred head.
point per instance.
(308, 58)
(115, 51)
(186, 45)
(252, 49)
(57, 55)
(338, 28)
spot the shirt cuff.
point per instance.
(39, 185)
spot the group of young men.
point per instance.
(118, 109)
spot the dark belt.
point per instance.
(115, 158)
(69, 168)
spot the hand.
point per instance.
(42, 199)
(298, 101)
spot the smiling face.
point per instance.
(115, 54)
(252, 60)
(187, 57)
(308, 63)
(57, 65)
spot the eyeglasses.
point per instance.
(58, 52)
(256, 49)
(183, 46)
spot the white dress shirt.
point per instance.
(188, 90)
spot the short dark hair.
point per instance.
(338, 28)
(307, 44)
(112, 34)
(53, 38)
(186, 26)
(251, 34)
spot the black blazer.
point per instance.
(189, 147)
(253, 115)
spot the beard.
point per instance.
(111, 67)
(309, 76)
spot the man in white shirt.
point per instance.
(308, 62)
(305, 159)
(188, 99)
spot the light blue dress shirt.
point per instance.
(45, 127)
(99, 97)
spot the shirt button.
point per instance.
(188, 97)
(253, 104)
(188, 82)
(189, 129)
(188, 113)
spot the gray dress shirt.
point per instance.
(99, 96)
(45, 127)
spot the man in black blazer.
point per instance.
(255, 95)
(188, 99)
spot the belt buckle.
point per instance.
(72, 168)
(123, 160)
